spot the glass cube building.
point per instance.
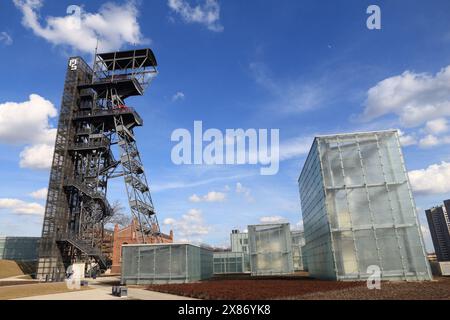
(231, 262)
(270, 248)
(358, 209)
(165, 263)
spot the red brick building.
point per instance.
(129, 235)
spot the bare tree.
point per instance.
(119, 215)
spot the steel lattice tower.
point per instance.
(94, 119)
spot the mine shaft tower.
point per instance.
(94, 121)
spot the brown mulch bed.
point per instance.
(303, 288)
(435, 290)
(261, 289)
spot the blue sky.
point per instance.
(304, 67)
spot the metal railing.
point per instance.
(108, 112)
(103, 143)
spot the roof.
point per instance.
(356, 133)
(125, 87)
(318, 137)
(124, 59)
(164, 244)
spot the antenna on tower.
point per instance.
(95, 60)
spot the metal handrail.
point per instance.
(107, 112)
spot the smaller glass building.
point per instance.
(231, 262)
(19, 248)
(270, 248)
(298, 240)
(165, 263)
(358, 209)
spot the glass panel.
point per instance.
(345, 253)
(359, 207)
(367, 250)
(390, 253)
(380, 205)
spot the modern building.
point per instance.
(231, 262)
(165, 263)
(298, 241)
(129, 235)
(239, 241)
(19, 248)
(270, 248)
(358, 209)
(439, 224)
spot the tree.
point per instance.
(119, 215)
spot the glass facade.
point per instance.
(231, 262)
(270, 248)
(298, 240)
(19, 248)
(358, 209)
(165, 263)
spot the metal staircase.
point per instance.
(138, 192)
(86, 248)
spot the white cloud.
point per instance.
(212, 196)
(21, 207)
(40, 194)
(27, 122)
(169, 221)
(429, 141)
(207, 14)
(114, 26)
(272, 219)
(407, 139)
(5, 38)
(437, 126)
(433, 180)
(195, 198)
(39, 157)
(295, 147)
(190, 227)
(299, 225)
(240, 189)
(178, 96)
(196, 183)
(414, 97)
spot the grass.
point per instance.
(32, 290)
(9, 269)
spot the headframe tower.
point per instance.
(95, 142)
